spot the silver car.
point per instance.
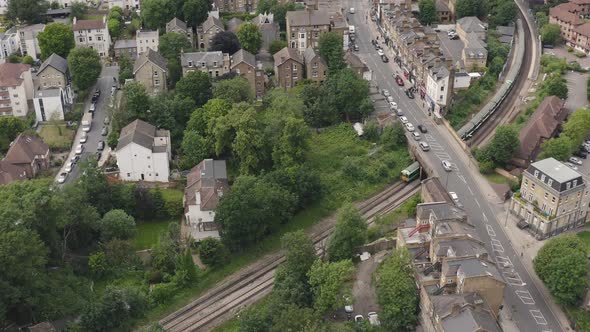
(447, 165)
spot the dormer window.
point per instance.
(190, 63)
(203, 64)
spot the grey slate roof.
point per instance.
(151, 56)
(308, 17)
(440, 210)
(472, 267)
(234, 24)
(243, 56)
(125, 43)
(310, 54)
(209, 179)
(211, 22)
(176, 23)
(440, 72)
(48, 93)
(555, 170)
(199, 57)
(285, 54)
(56, 62)
(505, 30)
(141, 133)
(471, 24)
(470, 319)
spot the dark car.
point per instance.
(422, 128)
(410, 94)
(399, 80)
(384, 58)
(98, 155)
(100, 146)
(97, 92)
(581, 153)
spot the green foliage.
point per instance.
(135, 103)
(427, 12)
(156, 13)
(330, 49)
(550, 34)
(410, 206)
(195, 11)
(371, 131)
(213, 252)
(115, 27)
(470, 8)
(503, 145)
(186, 270)
(116, 224)
(327, 282)
(574, 132)
(56, 38)
(555, 85)
(588, 88)
(85, 66)
(79, 10)
(234, 90)
(250, 37)
(10, 128)
(253, 320)
(563, 266)
(277, 45)
(394, 137)
(504, 12)
(350, 232)
(279, 10)
(171, 44)
(125, 68)
(396, 292)
(26, 11)
(226, 42)
(115, 309)
(542, 19)
(195, 85)
(98, 265)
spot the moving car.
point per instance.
(69, 167)
(399, 80)
(422, 128)
(373, 319)
(403, 119)
(424, 146)
(104, 131)
(62, 177)
(410, 127)
(575, 160)
(380, 52)
(79, 149)
(410, 94)
(446, 165)
(416, 136)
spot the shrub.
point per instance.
(487, 167)
(28, 60)
(580, 54)
(162, 293)
(212, 252)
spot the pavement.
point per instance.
(528, 305)
(363, 290)
(576, 85)
(104, 83)
(561, 52)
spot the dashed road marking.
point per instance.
(538, 316)
(485, 218)
(460, 176)
(497, 246)
(470, 191)
(525, 297)
(514, 279)
(477, 202)
(504, 262)
(490, 230)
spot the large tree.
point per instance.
(125, 68)
(116, 224)
(396, 292)
(562, 264)
(56, 38)
(26, 11)
(350, 232)
(330, 48)
(427, 12)
(196, 11)
(235, 90)
(10, 127)
(84, 64)
(226, 42)
(136, 103)
(195, 85)
(577, 125)
(555, 85)
(327, 283)
(79, 10)
(250, 37)
(349, 92)
(394, 137)
(172, 44)
(156, 13)
(504, 144)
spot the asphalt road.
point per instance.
(105, 82)
(527, 307)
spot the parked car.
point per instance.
(356, 47)
(351, 10)
(390, 99)
(385, 93)
(572, 166)
(447, 165)
(98, 155)
(100, 146)
(399, 80)
(454, 37)
(104, 131)
(384, 58)
(74, 159)
(359, 318)
(79, 149)
(410, 127)
(422, 128)
(403, 119)
(83, 138)
(581, 153)
(575, 160)
(410, 94)
(62, 177)
(424, 146)
(92, 107)
(393, 105)
(399, 112)
(106, 120)
(455, 199)
(380, 52)
(416, 136)
(373, 319)
(69, 167)
(97, 93)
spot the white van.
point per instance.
(351, 10)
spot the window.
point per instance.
(524, 193)
(294, 67)
(99, 38)
(550, 211)
(442, 88)
(553, 199)
(301, 35)
(550, 182)
(156, 82)
(544, 207)
(568, 186)
(293, 35)
(575, 183)
(531, 197)
(149, 157)
(128, 175)
(536, 173)
(89, 38)
(542, 177)
(546, 195)
(526, 182)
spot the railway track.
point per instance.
(503, 114)
(256, 281)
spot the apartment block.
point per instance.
(27, 40)
(93, 34)
(145, 39)
(304, 28)
(16, 87)
(213, 63)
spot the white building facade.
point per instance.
(125, 4)
(8, 43)
(438, 86)
(16, 87)
(50, 104)
(147, 39)
(27, 40)
(144, 153)
(93, 34)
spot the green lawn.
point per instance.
(497, 178)
(148, 233)
(585, 237)
(347, 173)
(57, 136)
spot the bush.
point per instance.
(570, 49)
(212, 252)
(28, 60)
(487, 167)
(162, 293)
(372, 131)
(155, 276)
(580, 54)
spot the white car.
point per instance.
(79, 149)
(373, 319)
(83, 138)
(92, 107)
(380, 52)
(62, 177)
(403, 119)
(575, 160)
(410, 127)
(386, 93)
(447, 165)
(106, 120)
(393, 105)
(416, 136)
(424, 146)
(69, 166)
(351, 10)
(359, 318)
(572, 166)
(454, 196)
(390, 99)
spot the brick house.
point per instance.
(244, 64)
(30, 153)
(289, 67)
(151, 70)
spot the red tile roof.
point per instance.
(89, 25)
(580, 2)
(583, 30)
(10, 73)
(25, 148)
(10, 173)
(561, 13)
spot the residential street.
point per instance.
(105, 82)
(523, 298)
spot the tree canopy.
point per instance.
(226, 42)
(551, 34)
(56, 38)
(116, 224)
(196, 11)
(195, 85)
(235, 90)
(85, 66)
(250, 37)
(330, 48)
(156, 13)
(427, 11)
(26, 11)
(350, 232)
(327, 280)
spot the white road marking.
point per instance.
(491, 231)
(538, 316)
(477, 202)
(470, 191)
(514, 279)
(525, 297)
(497, 246)
(485, 218)
(460, 176)
(504, 262)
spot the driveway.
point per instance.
(363, 290)
(576, 84)
(562, 52)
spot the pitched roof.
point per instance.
(10, 73)
(176, 23)
(151, 56)
(471, 24)
(56, 62)
(505, 30)
(442, 6)
(141, 133)
(469, 318)
(10, 172)
(209, 58)
(561, 13)
(89, 25)
(243, 56)
(471, 267)
(211, 22)
(209, 179)
(354, 61)
(583, 29)
(308, 17)
(125, 43)
(310, 54)
(542, 125)
(24, 149)
(285, 54)
(147, 34)
(234, 24)
(263, 18)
